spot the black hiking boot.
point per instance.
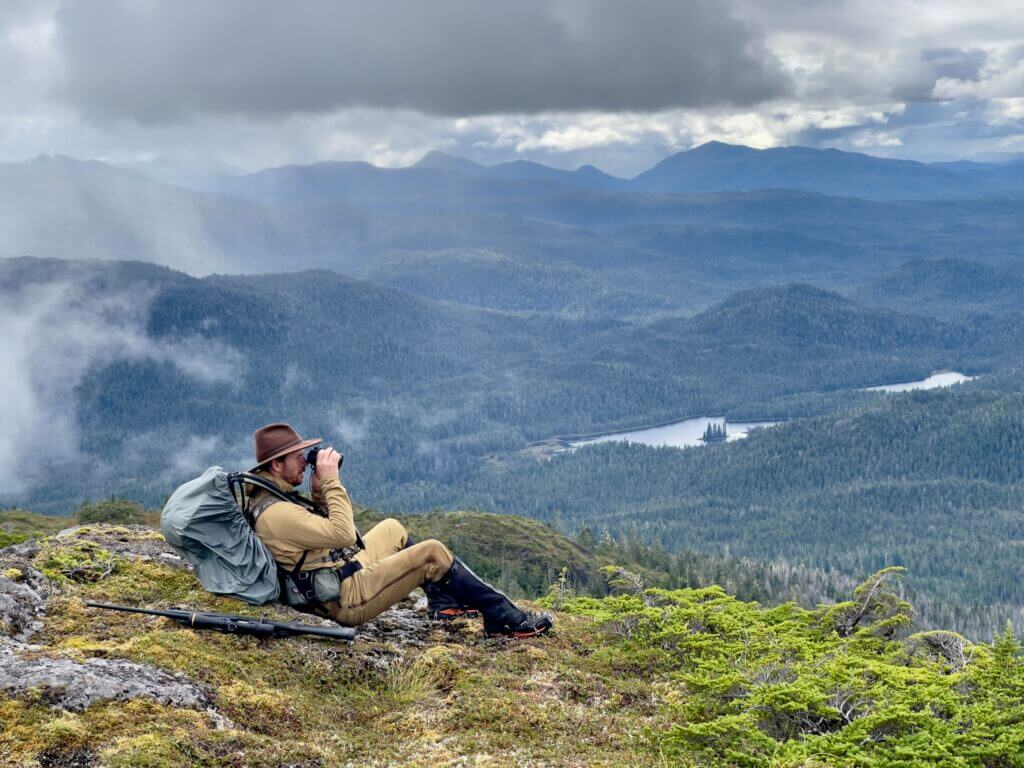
(443, 607)
(440, 605)
(501, 616)
(522, 624)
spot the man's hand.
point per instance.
(327, 461)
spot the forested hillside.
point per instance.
(933, 481)
(489, 279)
(948, 288)
(421, 390)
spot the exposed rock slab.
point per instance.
(74, 685)
(23, 592)
(133, 542)
(404, 623)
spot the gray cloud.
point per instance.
(917, 79)
(241, 85)
(164, 61)
(955, 63)
(866, 51)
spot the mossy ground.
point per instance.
(689, 677)
(460, 699)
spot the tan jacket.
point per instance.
(288, 529)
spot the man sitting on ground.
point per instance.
(376, 570)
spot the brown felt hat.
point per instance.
(275, 440)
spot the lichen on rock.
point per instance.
(74, 686)
(23, 592)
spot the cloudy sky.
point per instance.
(183, 85)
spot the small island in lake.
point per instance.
(715, 433)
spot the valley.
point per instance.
(445, 337)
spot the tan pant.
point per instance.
(389, 572)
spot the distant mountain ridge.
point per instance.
(586, 176)
(529, 242)
(718, 167)
(709, 168)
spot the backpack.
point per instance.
(203, 523)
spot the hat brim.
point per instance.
(299, 446)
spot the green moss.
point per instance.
(7, 539)
(154, 584)
(119, 532)
(147, 750)
(76, 561)
(67, 731)
(261, 708)
(22, 735)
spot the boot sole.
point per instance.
(524, 635)
(520, 635)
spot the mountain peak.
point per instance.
(719, 167)
(720, 147)
(440, 161)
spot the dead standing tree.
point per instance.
(874, 603)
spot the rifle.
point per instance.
(239, 625)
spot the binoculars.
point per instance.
(313, 452)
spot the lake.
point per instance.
(680, 434)
(688, 433)
(938, 379)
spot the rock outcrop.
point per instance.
(23, 592)
(74, 684)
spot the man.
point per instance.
(376, 570)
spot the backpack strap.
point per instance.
(260, 506)
(257, 508)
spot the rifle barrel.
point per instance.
(295, 628)
(241, 625)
